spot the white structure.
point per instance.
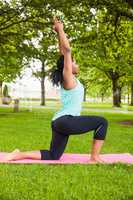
(30, 87)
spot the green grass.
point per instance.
(105, 106)
(86, 105)
(31, 130)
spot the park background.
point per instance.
(101, 36)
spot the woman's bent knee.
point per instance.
(104, 121)
(48, 155)
(100, 132)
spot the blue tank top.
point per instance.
(71, 101)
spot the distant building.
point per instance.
(32, 89)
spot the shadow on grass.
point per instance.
(126, 122)
(4, 114)
(8, 114)
(128, 198)
(2, 197)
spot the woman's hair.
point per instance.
(57, 74)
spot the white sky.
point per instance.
(29, 86)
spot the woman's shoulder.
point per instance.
(77, 85)
(71, 85)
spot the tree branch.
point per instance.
(130, 2)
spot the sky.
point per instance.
(30, 87)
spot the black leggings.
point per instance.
(72, 125)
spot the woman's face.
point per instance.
(75, 67)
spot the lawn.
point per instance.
(86, 105)
(31, 130)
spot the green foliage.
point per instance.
(100, 31)
(106, 44)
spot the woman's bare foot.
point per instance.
(95, 154)
(19, 155)
(14, 155)
(95, 160)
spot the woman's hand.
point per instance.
(58, 25)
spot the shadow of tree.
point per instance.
(2, 197)
(128, 198)
(126, 122)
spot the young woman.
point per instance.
(67, 121)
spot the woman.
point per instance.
(68, 120)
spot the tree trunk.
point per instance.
(102, 97)
(128, 97)
(43, 85)
(85, 90)
(1, 92)
(131, 94)
(116, 98)
(124, 99)
(119, 89)
(16, 105)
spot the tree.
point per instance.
(108, 48)
(10, 67)
(131, 93)
(6, 98)
(43, 51)
(97, 27)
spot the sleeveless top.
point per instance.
(71, 101)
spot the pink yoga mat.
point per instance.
(68, 158)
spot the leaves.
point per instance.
(100, 32)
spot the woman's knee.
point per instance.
(48, 155)
(100, 132)
(104, 121)
(55, 155)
